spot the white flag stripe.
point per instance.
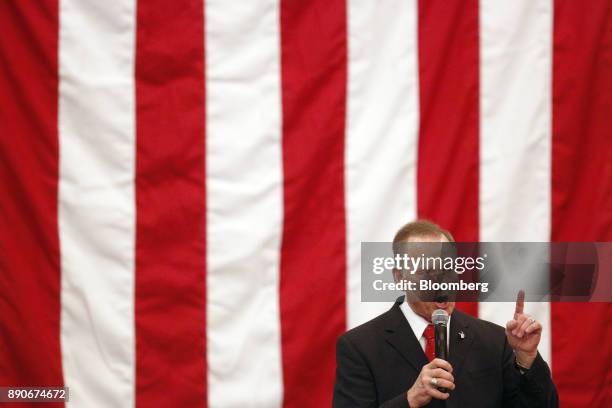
(381, 135)
(96, 200)
(515, 134)
(245, 203)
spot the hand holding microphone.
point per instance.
(436, 378)
(437, 373)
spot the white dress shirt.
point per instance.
(419, 324)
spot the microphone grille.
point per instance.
(439, 316)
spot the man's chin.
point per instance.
(425, 309)
(441, 305)
(444, 305)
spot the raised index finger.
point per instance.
(520, 303)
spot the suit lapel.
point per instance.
(461, 338)
(400, 336)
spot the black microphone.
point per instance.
(439, 318)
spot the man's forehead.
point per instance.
(425, 245)
(427, 238)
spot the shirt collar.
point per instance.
(417, 323)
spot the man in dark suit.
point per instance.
(385, 363)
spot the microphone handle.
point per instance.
(441, 346)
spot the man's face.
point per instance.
(440, 300)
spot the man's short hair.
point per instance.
(420, 228)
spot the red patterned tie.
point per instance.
(430, 345)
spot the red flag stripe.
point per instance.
(170, 197)
(30, 352)
(447, 162)
(313, 265)
(581, 193)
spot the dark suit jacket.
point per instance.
(380, 360)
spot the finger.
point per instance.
(519, 322)
(535, 327)
(440, 373)
(526, 323)
(442, 383)
(511, 324)
(520, 303)
(439, 363)
(435, 393)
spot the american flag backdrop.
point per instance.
(185, 184)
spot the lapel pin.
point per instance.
(461, 335)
